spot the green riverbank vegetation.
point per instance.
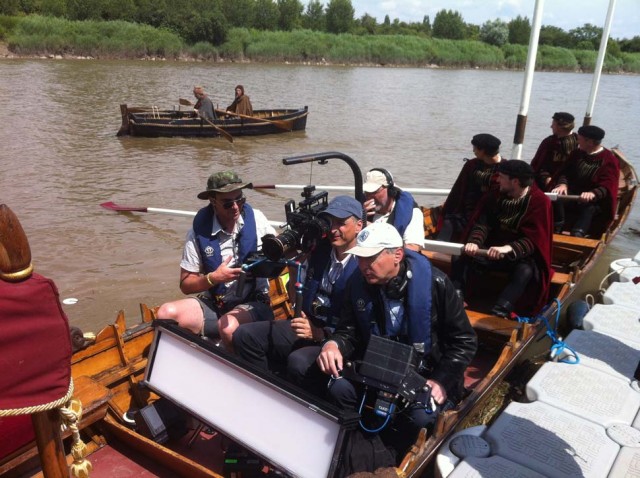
(287, 31)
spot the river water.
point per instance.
(60, 158)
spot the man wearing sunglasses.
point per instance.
(224, 234)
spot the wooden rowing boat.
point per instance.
(110, 380)
(153, 122)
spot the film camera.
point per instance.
(391, 368)
(304, 228)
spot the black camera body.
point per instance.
(304, 228)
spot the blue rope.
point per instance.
(558, 346)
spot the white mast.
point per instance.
(600, 61)
(521, 122)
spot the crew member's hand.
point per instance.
(560, 189)
(438, 393)
(471, 249)
(304, 329)
(369, 207)
(330, 359)
(587, 197)
(498, 252)
(547, 180)
(224, 273)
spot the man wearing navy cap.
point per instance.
(478, 175)
(592, 172)
(554, 150)
(296, 342)
(515, 225)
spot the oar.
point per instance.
(424, 191)
(282, 124)
(174, 212)
(451, 248)
(220, 130)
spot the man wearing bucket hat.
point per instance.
(397, 294)
(515, 224)
(477, 176)
(553, 152)
(296, 343)
(592, 172)
(386, 202)
(224, 233)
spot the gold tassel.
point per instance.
(71, 415)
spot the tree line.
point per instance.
(211, 20)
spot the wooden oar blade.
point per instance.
(185, 102)
(116, 207)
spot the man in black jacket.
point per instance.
(399, 295)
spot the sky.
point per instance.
(566, 14)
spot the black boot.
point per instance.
(503, 308)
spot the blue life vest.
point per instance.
(402, 212)
(209, 245)
(417, 307)
(316, 267)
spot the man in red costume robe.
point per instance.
(592, 172)
(553, 152)
(478, 175)
(515, 224)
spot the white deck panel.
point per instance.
(636, 421)
(627, 463)
(614, 320)
(552, 442)
(585, 392)
(625, 270)
(492, 467)
(613, 355)
(623, 293)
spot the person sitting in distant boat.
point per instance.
(592, 172)
(478, 175)
(515, 224)
(241, 104)
(386, 202)
(296, 343)
(223, 235)
(553, 152)
(204, 106)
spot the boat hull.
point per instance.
(168, 123)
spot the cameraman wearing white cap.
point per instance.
(386, 202)
(400, 296)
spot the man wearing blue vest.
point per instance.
(296, 343)
(397, 294)
(224, 234)
(386, 202)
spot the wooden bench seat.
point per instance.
(492, 323)
(582, 242)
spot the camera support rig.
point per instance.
(322, 159)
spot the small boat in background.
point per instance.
(154, 122)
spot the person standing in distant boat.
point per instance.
(224, 233)
(592, 172)
(553, 152)
(241, 104)
(478, 176)
(386, 202)
(204, 106)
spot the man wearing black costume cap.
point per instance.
(478, 175)
(592, 172)
(554, 150)
(515, 224)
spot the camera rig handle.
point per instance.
(322, 158)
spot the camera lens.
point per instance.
(275, 247)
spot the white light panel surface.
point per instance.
(287, 433)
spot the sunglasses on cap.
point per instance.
(228, 204)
